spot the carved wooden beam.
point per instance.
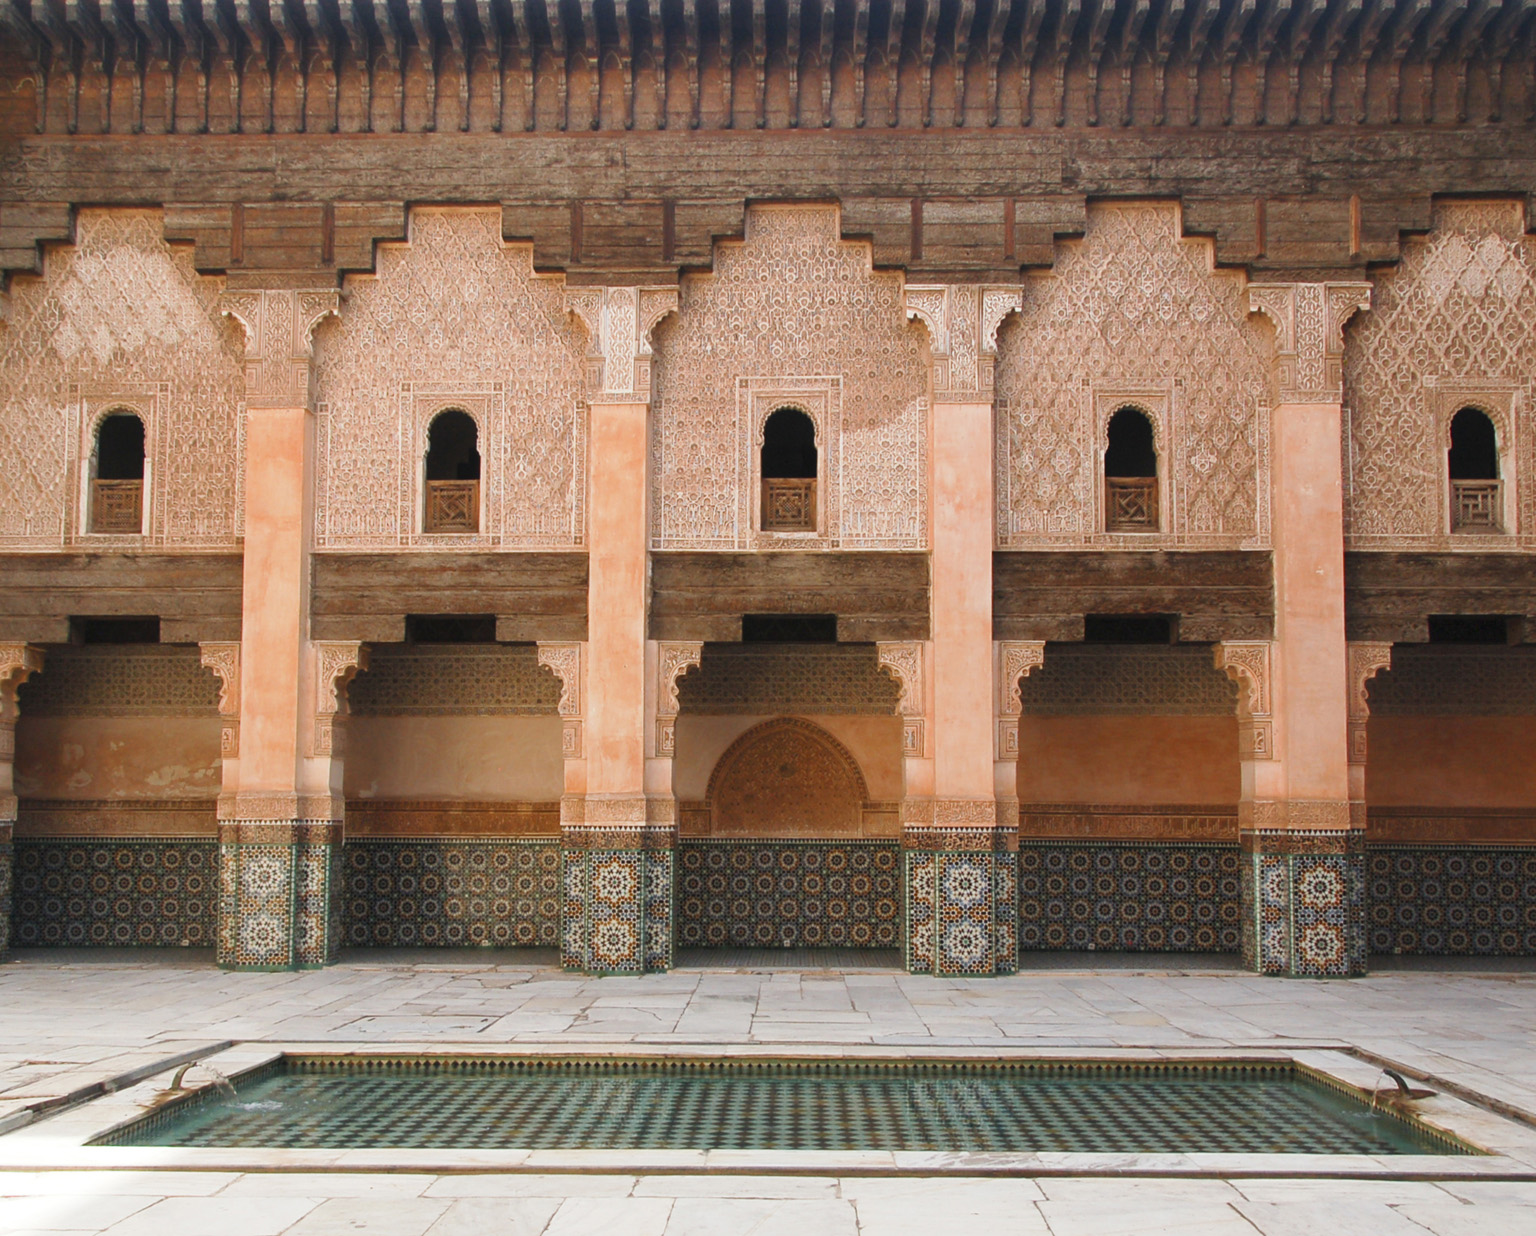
(1130, 44)
(860, 65)
(1029, 48)
(893, 35)
(1166, 30)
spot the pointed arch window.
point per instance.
(1130, 473)
(1477, 497)
(117, 474)
(789, 466)
(453, 474)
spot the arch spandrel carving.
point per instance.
(1131, 306)
(791, 308)
(119, 318)
(786, 778)
(455, 317)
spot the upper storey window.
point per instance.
(117, 475)
(1477, 499)
(1130, 474)
(789, 472)
(453, 474)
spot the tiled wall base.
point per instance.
(7, 882)
(962, 910)
(789, 894)
(1303, 903)
(1144, 896)
(115, 891)
(616, 915)
(1452, 900)
(433, 892)
(280, 896)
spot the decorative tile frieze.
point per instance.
(422, 819)
(1112, 822)
(123, 680)
(477, 680)
(107, 818)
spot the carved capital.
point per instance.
(1013, 661)
(619, 324)
(962, 321)
(1309, 323)
(904, 661)
(337, 662)
(279, 332)
(1367, 658)
(1247, 663)
(673, 660)
(566, 662)
(223, 658)
(18, 662)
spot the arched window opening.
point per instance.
(1130, 474)
(789, 472)
(117, 483)
(453, 474)
(1476, 493)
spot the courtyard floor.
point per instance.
(72, 1022)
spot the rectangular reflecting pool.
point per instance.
(505, 1103)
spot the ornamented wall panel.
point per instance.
(1452, 899)
(1134, 312)
(1450, 325)
(465, 680)
(831, 678)
(791, 305)
(119, 319)
(1428, 681)
(152, 680)
(453, 319)
(1129, 680)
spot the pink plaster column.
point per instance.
(18, 662)
(1302, 836)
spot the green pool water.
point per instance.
(1009, 1107)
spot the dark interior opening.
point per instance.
(1468, 629)
(1474, 452)
(450, 628)
(114, 630)
(120, 448)
(789, 628)
(1131, 452)
(789, 446)
(453, 448)
(1128, 629)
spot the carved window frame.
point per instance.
(425, 403)
(820, 399)
(1499, 402)
(92, 406)
(1156, 404)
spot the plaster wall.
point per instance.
(117, 758)
(473, 759)
(1455, 762)
(875, 742)
(1141, 761)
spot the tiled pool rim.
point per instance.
(515, 1063)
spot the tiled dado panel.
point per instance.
(1129, 896)
(413, 892)
(115, 891)
(789, 894)
(617, 914)
(1446, 900)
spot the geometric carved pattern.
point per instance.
(465, 680)
(1366, 660)
(454, 318)
(1247, 663)
(791, 298)
(119, 681)
(903, 661)
(564, 661)
(1438, 681)
(119, 320)
(1123, 680)
(337, 663)
(1134, 304)
(786, 778)
(809, 678)
(1451, 326)
(673, 661)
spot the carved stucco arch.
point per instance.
(1132, 404)
(794, 777)
(760, 428)
(1498, 417)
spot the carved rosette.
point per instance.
(565, 661)
(1367, 658)
(1309, 323)
(1014, 660)
(337, 662)
(1247, 663)
(223, 658)
(962, 322)
(279, 332)
(673, 660)
(619, 324)
(904, 662)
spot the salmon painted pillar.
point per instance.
(618, 839)
(1302, 830)
(961, 861)
(18, 662)
(280, 809)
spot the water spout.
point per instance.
(220, 1081)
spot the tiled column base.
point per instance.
(7, 883)
(1303, 902)
(280, 892)
(617, 914)
(961, 891)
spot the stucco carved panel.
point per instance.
(786, 778)
(119, 319)
(791, 304)
(483, 680)
(152, 680)
(1449, 326)
(455, 318)
(1134, 306)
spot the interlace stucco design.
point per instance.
(119, 320)
(786, 778)
(1134, 313)
(1450, 326)
(453, 319)
(792, 305)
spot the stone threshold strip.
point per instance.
(1507, 1138)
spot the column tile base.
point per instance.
(7, 882)
(1303, 901)
(618, 879)
(961, 872)
(280, 894)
